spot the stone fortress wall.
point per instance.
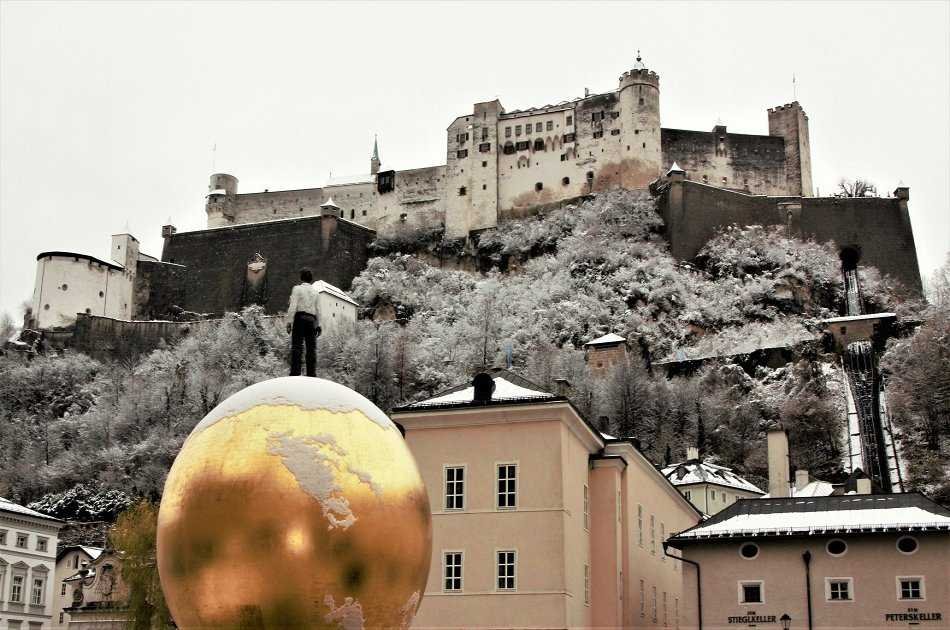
(502, 164)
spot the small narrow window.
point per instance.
(590, 177)
(570, 121)
(538, 187)
(484, 133)
(484, 147)
(507, 485)
(652, 534)
(538, 127)
(452, 571)
(462, 154)
(364, 213)
(565, 181)
(550, 126)
(455, 488)
(517, 130)
(527, 129)
(653, 607)
(21, 541)
(599, 133)
(615, 132)
(462, 191)
(641, 100)
(506, 571)
(507, 132)
(587, 584)
(586, 507)
(643, 603)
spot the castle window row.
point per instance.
(837, 589)
(506, 487)
(538, 127)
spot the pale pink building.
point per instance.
(539, 520)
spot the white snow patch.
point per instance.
(806, 521)
(705, 472)
(301, 391)
(504, 390)
(606, 339)
(349, 614)
(408, 610)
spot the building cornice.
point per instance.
(470, 416)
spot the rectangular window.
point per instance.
(564, 157)
(41, 544)
(615, 132)
(587, 584)
(570, 121)
(36, 595)
(676, 612)
(16, 589)
(517, 130)
(484, 147)
(527, 129)
(653, 606)
(21, 540)
(586, 507)
(596, 116)
(506, 571)
(484, 133)
(599, 133)
(652, 534)
(643, 601)
(751, 593)
(910, 588)
(538, 127)
(663, 538)
(3, 537)
(507, 477)
(550, 126)
(76, 561)
(62, 591)
(712, 495)
(568, 137)
(452, 571)
(522, 145)
(838, 590)
(454, 487)
(640, 525)
(507, 132)
(462, 138)
(666, 611)
(462, 154)
(688, 495)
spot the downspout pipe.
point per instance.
(699, 584)
(807, 559)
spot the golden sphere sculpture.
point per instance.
(295, 503)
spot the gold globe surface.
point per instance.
(294, 504)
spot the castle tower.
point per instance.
(790, 122)
(222, 189)
(639, 95)
(374, 161)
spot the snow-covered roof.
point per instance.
(856, 318)
(9, 506)
(675, 169)
(606, 339)
(505, 390)
(325, 287)
(839, 514)
(815, 488)
(698, 471)
(329, 203)
(218, 191)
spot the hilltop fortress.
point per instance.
(501, 164)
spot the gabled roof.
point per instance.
(697, 471)
(509, 388)
(13, 508)
(325, 287)
(838, 515)
(92, 552)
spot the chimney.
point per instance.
(484, 386)
(692, 453)
(563, 386)
(329, 209)
(778, 463)
(801, 479)
(168, 230)
(864, 486)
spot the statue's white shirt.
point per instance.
(303, 298)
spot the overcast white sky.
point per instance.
(109, 111)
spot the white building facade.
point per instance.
(28, 543)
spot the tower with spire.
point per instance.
(374, 161)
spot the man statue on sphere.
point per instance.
(305, 327)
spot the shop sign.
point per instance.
(913, 615)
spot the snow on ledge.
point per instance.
(504, 390)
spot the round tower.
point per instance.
(221, 191)
(639, 94)
(225, 182)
